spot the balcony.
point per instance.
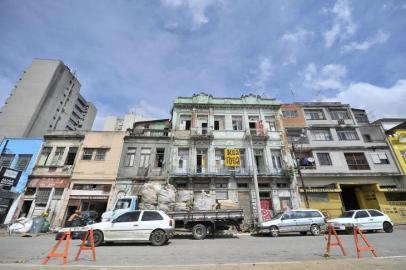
(150, 133)
(257, 134)
(225, 171)
(201, 133)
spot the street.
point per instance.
(241, 249)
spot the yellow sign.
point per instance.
(232, 157)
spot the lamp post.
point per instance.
(299, 170)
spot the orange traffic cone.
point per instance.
(360, 248)
(332, 231)
(65, 251)
(89, 234)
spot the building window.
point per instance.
(58, 193)
(100, 154)
(361, 117)
(276, 159)
(259, 160)
(58, 155)
(145, 156)
(379, 158)
(183, 155)
(367, 137)
(270, 123)
(242, 185)
(219, 159)
(324, 159)
(6, 160)
(236, 122)
(356, 161)
(281, 185)
(339, 114)
(185, 122)
(70, 159)
(130, 157)
(87, 154)
(41, 198)
(201, 160)
(347, 134)
(289, 113)
(296, 136)
(159, 158)
(314, 115)
(219, 122)
(22, 162)
(322, 134)
(43, 159)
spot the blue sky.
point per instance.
(140, 55)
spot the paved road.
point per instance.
(233, 250)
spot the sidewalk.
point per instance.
(383, 263)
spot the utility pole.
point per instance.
(301, 176)
(254, 166)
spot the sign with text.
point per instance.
(9, 177)
(232, 157)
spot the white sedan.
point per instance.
(142, 226)
(365, 219)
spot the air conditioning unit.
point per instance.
(341, 121)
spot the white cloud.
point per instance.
(329, 77)
(196, 7)
(379, 101)
(343, 25)
(297, 36)
(147, 109)
(379, 38)
(261, 74)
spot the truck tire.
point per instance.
(158, 238)
(199, 231)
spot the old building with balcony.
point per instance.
(49, 181)
(204, 126)
(94, 174)
(144, 158)
(345, 161)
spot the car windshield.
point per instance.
(347, 214)
(123, 204)
(278, 215)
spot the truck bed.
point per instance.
(208, 215)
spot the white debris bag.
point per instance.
(167, 195)
(185, 196)
(147, 206)
(203, 201)
(149, 193)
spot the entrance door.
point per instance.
(349, 198)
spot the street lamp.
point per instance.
(302, 136)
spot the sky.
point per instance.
(138, 56)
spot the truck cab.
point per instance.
(122, 205)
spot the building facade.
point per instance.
(346, 162)
(50, 178)
(204, 126)
(122, 123)
(94, 173)
(46, 97)
(17, 158)
(144, 157)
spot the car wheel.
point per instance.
(274, 231)
(98, 238)
(303, 233)
(199, 231)
(158, 238)
(387, 227)
(315, 230)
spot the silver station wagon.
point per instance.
(299, 220)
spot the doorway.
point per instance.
(349, 198)
(25, 208)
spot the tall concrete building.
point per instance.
(45, 98)
(122, 123)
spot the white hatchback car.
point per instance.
(142, 225)
(365, 219)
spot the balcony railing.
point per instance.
(150, 132)
(224, 171)
(201, 133)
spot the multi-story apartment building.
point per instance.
(94, 173)
(122, 123)
(49, 181)
(46, 97)
(17, 158)
(144, 157)
(345, 161)
(204, 126)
